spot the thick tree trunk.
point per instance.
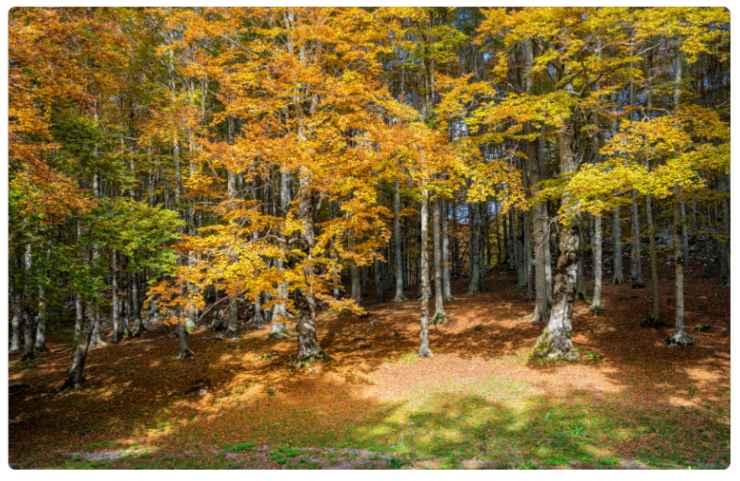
(424, 350)
(555, 341)
(474, 224)
(397, 247)
(636, 253)
(617, 239)
(308, 344)
(679, 336)
(184, 351)
(597, 270)
(76, 373)
(439, 308)
(232, 321)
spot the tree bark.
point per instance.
(617, 239)
(636, 253)
(16, 322)
(474, 224)
(597, 267)
(308, 344)
(114, 298)
(679, 336)
(654, 318)
(446, 277)
(28, 330)
(424, 350)
(397, 251)
(555, 341)
(76, 373)
(439, 308)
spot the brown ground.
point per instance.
(139, 397)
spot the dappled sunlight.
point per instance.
(476, 402)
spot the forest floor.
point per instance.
(630, 402)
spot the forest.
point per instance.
(369, 237)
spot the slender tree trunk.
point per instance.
(446, 278)
(617, 239)
(356, 280)
(397, 251)
(596, 299)
(424, 350)
(16, 322)
(636, 253)
(279, 311)
(555, 340)
(378, 279)
(79, 320)
(439, 307)
(679, 336)
(541, 229)
(40, 341)
(684, 236)
(28, 328)
(139, 326)
(528, 262)
(114, 298)
(474, 224)
(725, 244)
(654, 318)
(96, 338)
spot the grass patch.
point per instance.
(240, 447)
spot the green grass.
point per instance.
(240, 447)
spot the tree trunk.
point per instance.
(596, 299)
(16, 321)
(76, 373)
(439, 308)
(279, 312)
(398, 254)
(28, 330)
(308, 344)
(232, 324)
(184, 351)
(40, 342)
(684, 236)
(446, 277)
(424, 350)
(474, 224)
(79, 320)
(617, 239)
(378, 279)
(555, 341)
(654, 318)
(114, 298)
(679, 336)
(636, 253)
(541, 229)
(356, 282)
